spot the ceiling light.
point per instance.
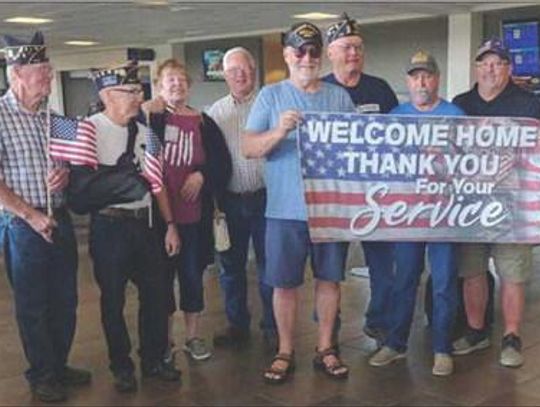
(316, 16)
(81, 43)
(28, 20)
(152, 2)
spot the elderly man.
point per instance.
(370, 95)
(122, 245)
(39, 247)
(495, 94)
(423, 83)
(270, 133)
(244, 204)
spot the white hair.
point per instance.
(10, 73)
(240, 50)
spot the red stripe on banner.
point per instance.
(344, 223)
(356, 198)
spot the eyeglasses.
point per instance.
(314, 52)
(359, 49)
(236, 71)
(132, 92)
(487, 65)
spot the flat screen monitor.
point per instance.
(522, 38)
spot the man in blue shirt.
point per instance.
(270, 133)
(370, 95)
(423, 83)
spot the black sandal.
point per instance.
(275, 375)
(334, 370)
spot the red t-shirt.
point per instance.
(183, 154)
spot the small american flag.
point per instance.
(153, 162)
(73, 141)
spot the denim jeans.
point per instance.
(245, 220)
(44, 281)
(410, 264)
(128, 250)
(379, 257)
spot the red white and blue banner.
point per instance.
(421, 178)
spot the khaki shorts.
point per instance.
(513, 262)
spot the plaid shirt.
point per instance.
(23, 152)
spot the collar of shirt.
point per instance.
(244, 101)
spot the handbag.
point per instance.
(222, 242)
(91, 190)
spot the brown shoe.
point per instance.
(328, 362)
(278, 375)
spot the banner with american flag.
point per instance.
(73, 141)
(153, 161)
(421, 178)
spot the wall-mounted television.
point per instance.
(213, 64)
(522, 38)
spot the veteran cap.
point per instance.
(127, 74)
(493, 46)
(422, 60)
(343, 28)
(301, 34)
(19, 51)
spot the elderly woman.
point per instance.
(197, 167)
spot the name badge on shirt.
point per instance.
(369, 108)
(171, 133)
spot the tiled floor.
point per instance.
(233, 377)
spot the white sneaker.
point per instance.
(443, 365)
(385, 356)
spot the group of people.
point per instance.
(240, 157)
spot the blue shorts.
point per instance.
(287, 247)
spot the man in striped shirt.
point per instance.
(244, 204)
(39, 247)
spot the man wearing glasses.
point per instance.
(122, 245)
(495, 94)
(243, 203)
(370, 95)
(270, 133)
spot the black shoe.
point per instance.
(231, 337)
(162, 371)
(49, 391)
(125, 382)
(71, 376)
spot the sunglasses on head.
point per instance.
(313, 51)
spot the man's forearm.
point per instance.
(13, 202)
(258, 145)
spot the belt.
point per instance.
(248, 194)
(140, 213)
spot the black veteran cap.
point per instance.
(301, 34)
(423, 60)
(343, 28)
(23, 52)
(493, 46)
(122, 75)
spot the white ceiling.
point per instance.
(136, 23)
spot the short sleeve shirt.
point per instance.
(282, 167)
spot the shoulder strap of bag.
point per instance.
(127, 156)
